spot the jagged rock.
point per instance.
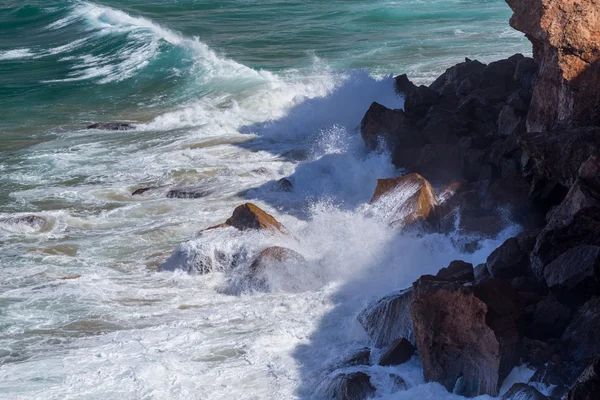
(403, 85)
(407, 199)
(500, 74)
(459, 271)
(33, 222)
(575, 222)
(508, 260)
(522, 391)
(504, 306)
(399, 352)
(353, 386)
(188, 192)
(389, 319)
(441, 126)
(249, 216)
(536, 352)
(418, 101)
(112, 126)
(440, 162)
(456, 347)
(566, 45)
(465, 75)
(140, 191)
(525, 75)
(550, 320)
(588, 384)
(509, 122)
(575, 273)
(481, 272)
(285, 185)
(380, 125)
(558, 155)
(580, 338)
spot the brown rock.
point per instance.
(566, 45)
(407, 199)
(275, 255)
(249, 216)
(399, 352)
(456, 346)
(353, 386)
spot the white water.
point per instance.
(86, 314)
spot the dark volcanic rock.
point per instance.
(140, 191)
(392, 128)
(464, 75)
(575, 272)
(588, 384)
(456, 346)
(399, 352)
(550, 319)
(403, 85)
(389, 319)
(354, 386)
(457, 271)
(523, 391)
(417, 102)
(285, 185)
(509, 260)
(112, 126)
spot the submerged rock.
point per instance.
(353, 386)
(456, 347)
(189, 192)
(112, 126)
(141, 191)
(27, 222)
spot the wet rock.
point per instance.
(250, 216)
(558, 155)
(522, 391)
(274, 256)
(550, 320)
(112, 126)
(418, 101)
(389, 319)
(399, 384)
(189, 192)
(509, 260)
(575, 273)
(285, 185)
(442, 126)
(440, 162)
(588, 384)
(459, 271)
(141, 191)
(353, 386)
(403, 85)
(31, 222)
(566, 45)
(509, 122)
(580, 339)
(481, 272)
(407, 199)
(392, 128)
(359, 357)
(399, 352)
(456, 347)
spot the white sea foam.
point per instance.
(16, 54)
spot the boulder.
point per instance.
(249, 216)
(403, 85)
(352, 386)
(459, 271)
(522, 391)
(406, 200)
(580, 339)
(575, 273)
(112, 126)
(464, 75)
(550, 320)
(509, 260)
(392, 128)
(274, 256)
(500, 74)
(588, 384)
(566, 45)
(456, 347)
(417, 102)
(389, 319)
(440, 162)
(285, 185)
(510, 122)
(558, 155)
(398, 353)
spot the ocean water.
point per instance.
(228, 97)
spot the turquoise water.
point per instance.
(228, 97)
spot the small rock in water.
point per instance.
(112, 126)
(354, 386)
(249, 216)
(399, 352)
(285, 185)
(189, 192)
(31, 222)
(139, 191)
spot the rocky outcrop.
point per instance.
(457, 270)
(390, 128)
(352, 386)
(250, 216)
(406, 200)
(566, 45)
(112, 126)
(456, 347)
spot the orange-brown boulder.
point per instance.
(407, 199)
(566, 44)
(250, 216)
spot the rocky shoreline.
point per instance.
(515, 140)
